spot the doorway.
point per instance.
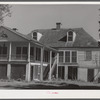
(72, 72)
(61, 72)
(90, 75)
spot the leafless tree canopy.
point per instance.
(4, 11)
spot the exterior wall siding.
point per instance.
(82, 74)
(88, 64)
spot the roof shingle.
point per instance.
(51, 38)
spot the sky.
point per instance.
(30, 17)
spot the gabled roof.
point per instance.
(51, 38)
(21, 35)
(27, 38)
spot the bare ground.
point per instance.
(4, 84)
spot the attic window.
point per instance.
(70, 36)
(35, 35)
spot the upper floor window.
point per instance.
(46, 56)
(88, 56)
(61, 56)
(3, 50)
(35, 35)
(71, 56)
(21, 50)
(38, 54)
(32, 51)
(70, 36)
(67, 56)
(74, 56)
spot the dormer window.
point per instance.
(35, 35)
(70, 36)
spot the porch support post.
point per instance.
(10, 45)
(57, 65)
(28, 70)
(9, 71)
(28, 66)
(50, 65)
(9, 65)
(29, 52)
(42, 51)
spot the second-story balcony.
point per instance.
(20, 57)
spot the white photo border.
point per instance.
(48, 94)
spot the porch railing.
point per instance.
(3, 57)
(19, 57)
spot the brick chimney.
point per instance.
(58, 25)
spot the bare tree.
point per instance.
(4, 12)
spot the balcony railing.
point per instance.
(19, 57)
(3, 57)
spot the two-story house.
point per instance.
(22, 58)
(78, 55)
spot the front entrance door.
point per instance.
(90, 75)
(72, 72)
(61, 72)
(37, 72)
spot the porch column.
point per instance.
(42, 51)
(50, 65)
(28, 72)
(28, 66)
(57, 64)
(10, 45)
(29, 52)
(9, 71)
(9, 65)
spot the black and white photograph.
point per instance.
(48, 47)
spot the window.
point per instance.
(35, 35)
(46, 56)
(70, 56)
(38, 54)
(25, 51)
(18, 50)
(32, 51)
(88, 56)
(61, 56)
(21, 51)
(3, 50)
(70, 36)
(74, 56)
(67, 56)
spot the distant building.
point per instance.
(49, 54)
